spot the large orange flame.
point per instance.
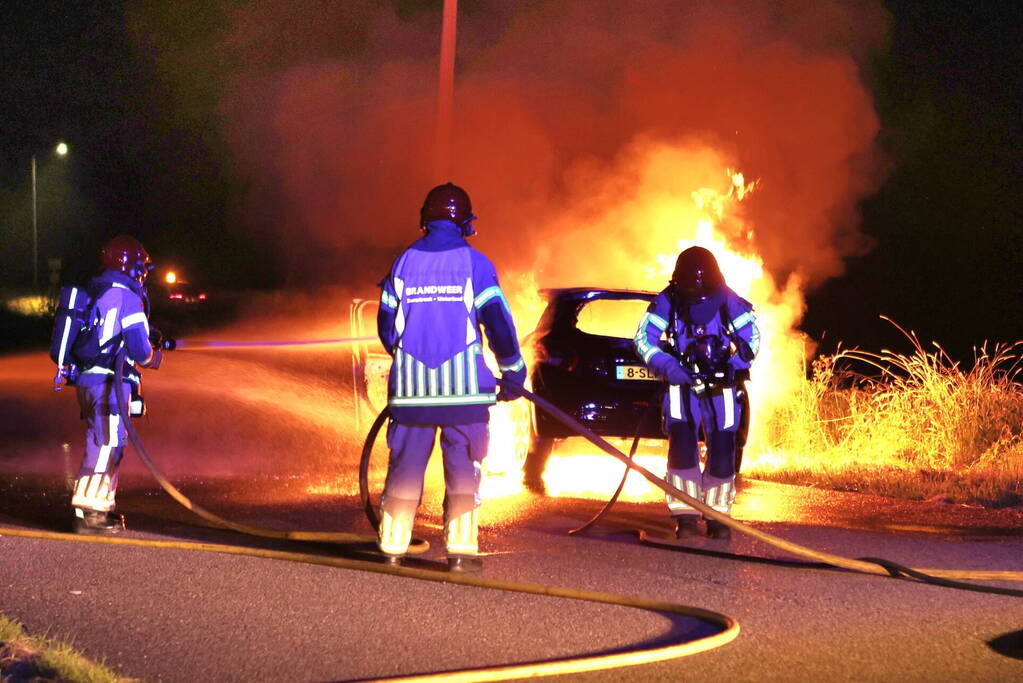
(711, 217)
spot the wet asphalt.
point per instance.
(175, 615)
(260, 444)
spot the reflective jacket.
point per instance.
(121, 311)
(432, 304)
(725, 315)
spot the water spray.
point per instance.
(207, 344)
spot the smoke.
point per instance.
(563, 113)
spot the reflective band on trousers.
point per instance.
(95, 492)
(460, 534)
(395, 534)
(676, 506)
(720, 497)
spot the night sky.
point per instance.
(146, 96)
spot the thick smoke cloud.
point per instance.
(328, 110)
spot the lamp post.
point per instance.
(446, 90)
(60, 150)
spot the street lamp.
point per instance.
(446, 89)
(60, 150)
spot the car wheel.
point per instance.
(536, 462)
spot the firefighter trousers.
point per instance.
(105, 436)
(463, 448)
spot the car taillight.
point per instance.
(202, 296)
(176, 296)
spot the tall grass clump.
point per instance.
(914, 425)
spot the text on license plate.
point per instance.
(633, 372)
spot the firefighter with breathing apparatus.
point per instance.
(94, 325)
(711, 340)
(433, 302)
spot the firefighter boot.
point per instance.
(97, 523)
(464, 564)
(716, 529)
(686, 527)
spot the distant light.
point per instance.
(202, 296)
(172, 277)
(62, 148)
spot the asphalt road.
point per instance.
(259, 441)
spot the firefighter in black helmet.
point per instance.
(438, 298)
(712, 338)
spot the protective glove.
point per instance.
(516, 377)
(676, 373)
(154, 362)
(743, 350)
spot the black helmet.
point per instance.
(696, 275)
(448, 202)
(126, 254)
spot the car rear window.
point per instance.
(611, 317)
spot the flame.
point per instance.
(714, 218)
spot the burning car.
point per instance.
(586, 365)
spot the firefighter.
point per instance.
(712, 338)
(121, 322)
(434, 300)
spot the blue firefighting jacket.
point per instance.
(122, 323)
(724, 315)
(432, 303)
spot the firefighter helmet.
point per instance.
(696, 275)
(126, 254)
(448, 202)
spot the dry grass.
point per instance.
(44, 659)
(914, 425)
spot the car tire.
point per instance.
(539, 453)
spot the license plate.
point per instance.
(634, 372)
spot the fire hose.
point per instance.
(418, 546)
(727, 628)
(951, 578)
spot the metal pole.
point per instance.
(35, 230)
(446, 90)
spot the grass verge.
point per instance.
(41, 658)
(916, 426)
